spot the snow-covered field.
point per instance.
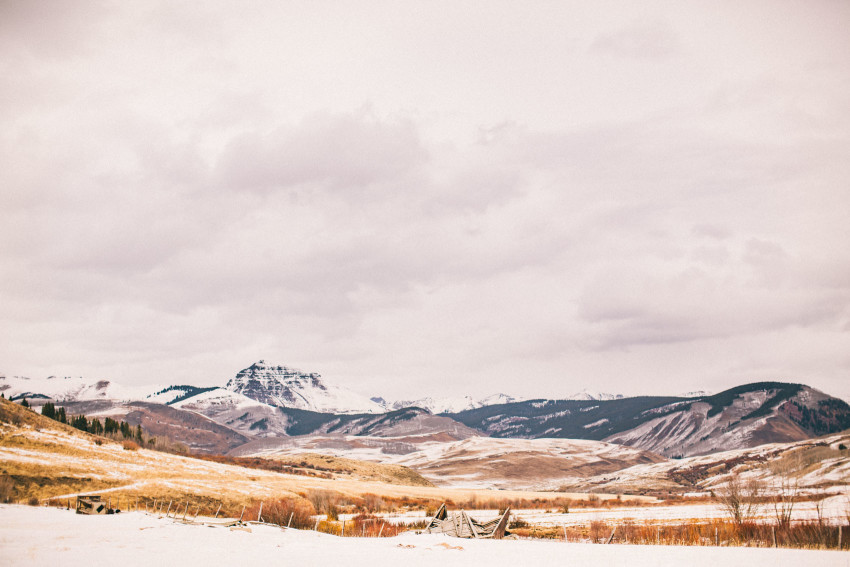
(47, 536)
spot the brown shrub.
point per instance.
(367, 525)
(130, 445)
(7, 489)
(280, 511)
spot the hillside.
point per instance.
(44, 459)
(814, 465)
(745, 416)
(481, 462)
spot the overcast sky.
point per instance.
(428, 198)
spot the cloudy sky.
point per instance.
(417, 198)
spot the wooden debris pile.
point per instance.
(93, 504)
(461, 524)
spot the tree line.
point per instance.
(93, 425)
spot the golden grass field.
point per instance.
(48, 460)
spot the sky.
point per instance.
(428, 198)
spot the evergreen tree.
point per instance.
(60, 415)
(126, 432)
(48, 410)
(95, 426)
(110, 426)
(25, 403)
(139, 433)
(81, 423)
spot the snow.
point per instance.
(48, 536)
(291, 388)
(70, 388)
(590, 395)
(218, 399)
(452, 404)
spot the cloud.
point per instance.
(655, 40)
(339, 152)
(181, 198)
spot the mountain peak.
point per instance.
(289, 387)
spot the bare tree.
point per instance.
(786, 486)
(739, 498)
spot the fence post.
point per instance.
(186, 511)
(839, 536)
(611, 537)
(716, 538)
(382, 528)
(565, 533)
(217, 511)
(316, 527)
(169, 508)
(260, 513)
(289, 523)
(242, 514)
(343, 528)
(773, 534)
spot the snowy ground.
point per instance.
(48, 536)
(834, 511)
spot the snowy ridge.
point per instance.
(67, 389)
(291, 388)
(450, 404)
(590, 395)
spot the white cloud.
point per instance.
(512, 201)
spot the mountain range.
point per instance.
(265, 401)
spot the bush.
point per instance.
(7, 489)
(279, 512)
(130, 445)
(325, 502)
(32, 501)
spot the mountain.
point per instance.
(588, 395)
(816, 464)
(746, 416)
(66, 389)
(447, 404)
(481, 462)
(287, 387)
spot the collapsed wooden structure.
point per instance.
(461, 524)
(92, 504)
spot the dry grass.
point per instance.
(800, 535)
(45, 459)
(327, 466)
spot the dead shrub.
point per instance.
(130, 446)
(280, 512)
(326, 502)
(7, 488)
(367, 525)
(32, 501)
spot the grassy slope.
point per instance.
(48, 459)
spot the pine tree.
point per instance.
(48, 410)
(81, 423)
(95, 426)
(25, 403)
(60, 415)
(126, 432)
(139, 433)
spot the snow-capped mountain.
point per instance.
(66, 389)
(448, 404)
(589, 395)
(696, 394)
(291, 388)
